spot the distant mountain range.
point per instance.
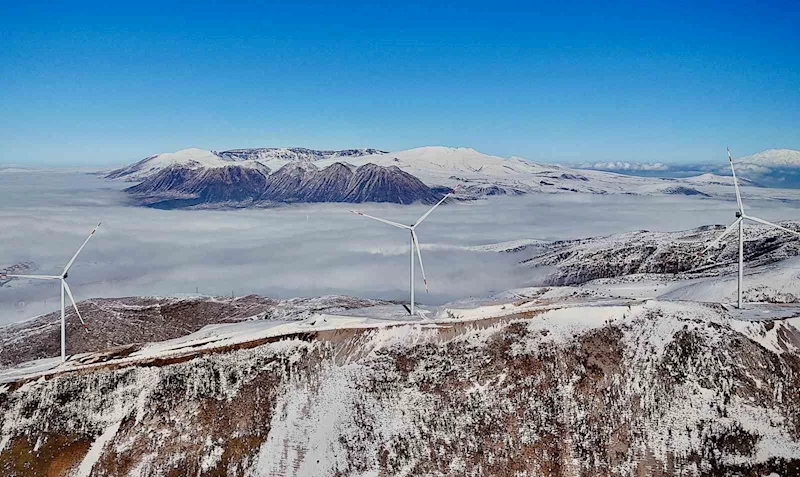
(267, 176)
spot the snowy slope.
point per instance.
(644, 264)
(192, 158)
(774, 283)
(592, 389)
(116, 322)
(673, 254)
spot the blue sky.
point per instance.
(98, 84)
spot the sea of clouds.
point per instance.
(764, 174)
(298, 250)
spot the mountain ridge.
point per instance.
(192, 158)
(303, 175)
(238, 186)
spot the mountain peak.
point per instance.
(774, 158)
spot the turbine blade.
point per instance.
(74, 305)
(735, 183)
(762, 221)
(419, 255)
(66, 269)
(716, 242)
(35, 277)
(425, 216)
(389, 222)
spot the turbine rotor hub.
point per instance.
(738, 214)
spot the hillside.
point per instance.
(672, 254)
(545, 386)
(118, 322)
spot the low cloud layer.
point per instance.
(302, 250)
(772, 168)
(624, 166)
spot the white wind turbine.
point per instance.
(739, 222)
(414, 243)
(64, 288)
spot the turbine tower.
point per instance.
(64, 289)
(413, 243)
(739, 223)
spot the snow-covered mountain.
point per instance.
(771, 158)
(191, 159)
(478, 174)
(540, 384)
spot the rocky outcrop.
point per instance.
(179, 187)
(285, 183)
(372, 183)
(327, 185)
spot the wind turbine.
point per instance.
(64, 288)
(739, 222)
(414, 243)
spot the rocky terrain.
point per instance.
(239, 186)
(115, 322)
(573, 262)
(546, 388)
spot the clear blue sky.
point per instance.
(100, 84)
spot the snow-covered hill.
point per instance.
(191, 159)
(578, 261)
(666, 265)
(534, 386)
